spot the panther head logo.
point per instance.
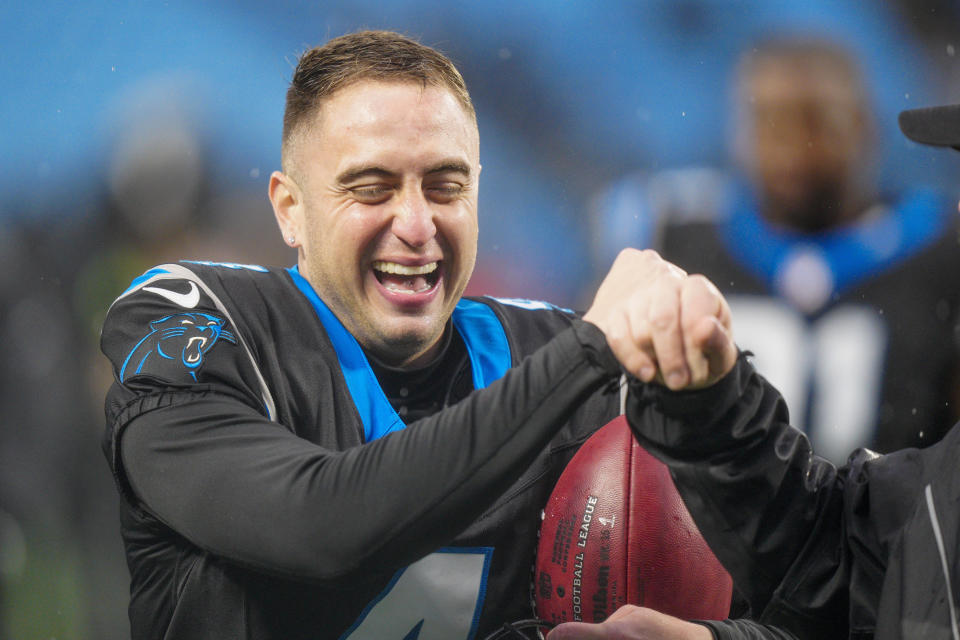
(175, 346)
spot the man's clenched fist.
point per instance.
(663, 324)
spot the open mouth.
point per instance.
(406, 279)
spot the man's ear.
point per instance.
(287, 201)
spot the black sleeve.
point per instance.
(244, 488)
(745, 630)
(772, 512)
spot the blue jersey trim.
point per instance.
(139, 280)
(853, 253)
(481, 592)
(485, 339)
(228, 265)
(373, 603)
(376, 413)
(477, 324)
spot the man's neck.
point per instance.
(419, 392)
(424, 361)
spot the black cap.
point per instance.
(939, 126)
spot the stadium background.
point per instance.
(137, 132)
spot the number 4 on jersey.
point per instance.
(436, 598)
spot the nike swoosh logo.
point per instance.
(186, 300)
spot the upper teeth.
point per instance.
(404, 270)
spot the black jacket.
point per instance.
(866, 551)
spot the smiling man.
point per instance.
(380, 195)
(356, 451)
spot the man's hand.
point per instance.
(662, 324)
(632, 623)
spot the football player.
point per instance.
(869, 550)
(348, 448)
(847, 295)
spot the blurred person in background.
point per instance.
(846, 295)
(867, 550)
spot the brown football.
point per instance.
(615, 531)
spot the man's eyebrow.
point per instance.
(450, 166)
(356, 173)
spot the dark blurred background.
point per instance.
(140, 132)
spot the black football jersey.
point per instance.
(271, 490)
(857, 326)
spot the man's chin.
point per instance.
(813, 209)
(408, 347)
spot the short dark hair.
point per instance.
(365, 55)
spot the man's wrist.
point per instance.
(595, 347)
(721, 394)
(686, 419)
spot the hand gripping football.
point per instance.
(616, 532)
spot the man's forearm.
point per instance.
(333, 514)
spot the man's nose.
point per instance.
(413, 219)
